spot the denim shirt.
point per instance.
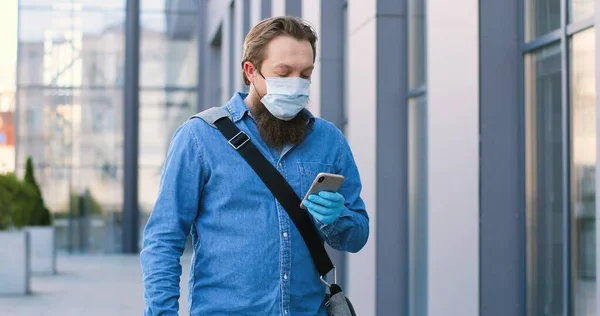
(249, 258)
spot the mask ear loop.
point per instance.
(253, 85)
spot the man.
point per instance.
(249, 258)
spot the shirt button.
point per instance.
(285, 311)
(285, 234)
(285, 276)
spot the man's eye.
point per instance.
(305, 76)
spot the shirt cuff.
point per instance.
(330, 230)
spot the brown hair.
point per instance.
(262, 33)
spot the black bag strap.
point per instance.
(280, 188)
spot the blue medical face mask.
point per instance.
(286, 97)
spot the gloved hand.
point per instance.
(326, 207)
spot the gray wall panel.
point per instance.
(332, 92)
(332, 30)
(331, 68)
(392, 167)
(502, 231)
(131, 123)
(392, 159)
(202, 49)
(265, 9)
(294, 7)
(331, 61)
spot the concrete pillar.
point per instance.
(228, 53)
(377, 132)
(256, 11)
(327, 87)
(241, 24)
(361, 133)
(278, 7)
(597, 23)
(287, 7)
(453, 157)
(312, 14)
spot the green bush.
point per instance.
(40, 214)
(17, 202)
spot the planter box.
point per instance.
(14, 262)
(42, 249)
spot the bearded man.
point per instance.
(249, 258)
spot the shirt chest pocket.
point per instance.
(308, 173)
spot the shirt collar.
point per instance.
(237, 108)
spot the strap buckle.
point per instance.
(334, 278)
(239, 140)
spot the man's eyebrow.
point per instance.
(282, 65)
(286, 66)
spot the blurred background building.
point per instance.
(70, 96)
(473, 123)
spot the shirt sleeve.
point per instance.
(170, 222)
(351, 230)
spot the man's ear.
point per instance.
(249, 71)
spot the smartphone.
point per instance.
(324, 182)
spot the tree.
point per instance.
(40, 214)
(17, 202)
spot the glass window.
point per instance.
(581, 9)
(96, 201)
(154, 5)
(583, 172)
(416, 43)
(541, 17)
(61, 134)
(168, 51)
(160, 114)
(48, 135)
(57, 49)
(71, 62)
(74, 5)
(182, 6)
(417, 162)
(60, 126)
(544, 180)
(99, 142)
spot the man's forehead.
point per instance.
(288, 52)
(290, 61)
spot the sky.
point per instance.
(8, 43)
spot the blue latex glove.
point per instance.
(325, 207)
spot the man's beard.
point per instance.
(276, 132)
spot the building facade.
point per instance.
(473, 124)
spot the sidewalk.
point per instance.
(92, 285)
